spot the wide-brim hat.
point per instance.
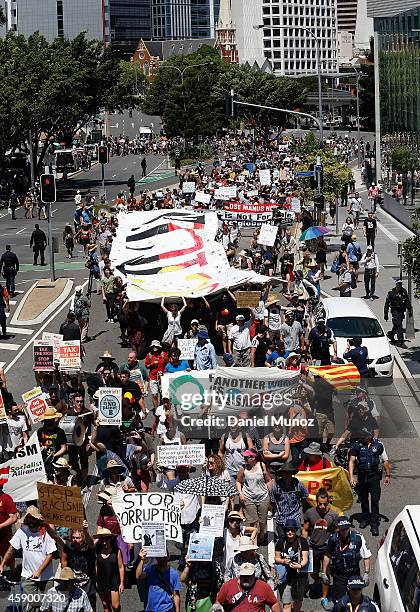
(112, 465)
(62, 464)
(66, 575)
(103, 532)
(34, 512)
(235, 514)
(106, 494)
(292, 356)
(287, 467)
(50, 413)
(245, 543)
(156, 343)
(314, 448)
(107, 355)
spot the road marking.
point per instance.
(20, 231)
(2, 364)
(387, 233)
(6, 346)
(41, 329)
(20, 330)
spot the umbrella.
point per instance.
(313, 232)
(206, 485)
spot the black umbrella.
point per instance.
(208, 486)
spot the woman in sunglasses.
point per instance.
(235, 528)
(293, 554)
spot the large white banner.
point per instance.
(20, 475)
(134, 509)
(245, 219)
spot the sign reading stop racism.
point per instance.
(35, 403)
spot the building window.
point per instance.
(60, 18)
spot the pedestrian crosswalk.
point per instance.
(7, 346)
(158, 175)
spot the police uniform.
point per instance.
(369, 475)
(365, 603)
(398, 302)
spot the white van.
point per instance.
(352, 318)
(397, 574)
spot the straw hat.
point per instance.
(66, 575)
(106, 494)
(50, 413)
(112, 465)
(34, 512)
(103, 532)
(107, 355)
(61, 463)
(245, 544)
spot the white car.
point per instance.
(397, 574)
(352, 318)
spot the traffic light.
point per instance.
(103, 154)
(230, 106)
(48, 190)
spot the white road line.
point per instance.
(113, 176)
(387, 233)
(6, 346)
(20, 231)
(20, 330)
(41, 329)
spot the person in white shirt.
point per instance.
(272, 319)
(174, 319)
(370, 262)
(239, 342)
(356, 207)
(16, 431)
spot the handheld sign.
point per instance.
(247, 299)
(2, 411)
(200, 547)
(35, 404)
(60, 505)
(70, 355)
(268, 234)
(184, 454)
(154, 539)
(212, 521)
(43, 356)
(55, 340)
(110, 411)
(187, 347)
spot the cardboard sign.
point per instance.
(2, 411)
(200, 547)
(109, 404)
(212, 521)
(154, 540)
(247, 299)
(225, 193)
(188, 187)
(43, 356)
(187, 347)
(285, 217)
(134, 509)
(35, 403)
(20, 475)
(62, 506)
(268, 234)
(265, 177)
(55, 340)
(295, 205)
(201, 196)
(183, 454)
(70, 355)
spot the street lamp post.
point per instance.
(318, 66)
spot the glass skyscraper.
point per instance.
(130, 20)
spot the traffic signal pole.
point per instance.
(103, 178)
(49, 197)
(50, 245)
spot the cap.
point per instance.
(289, 313)
(320, 320)
(398, 281)
(195, 321)
(240, 317)
(247, 569)
(290, 524)
(156, 343)
(343, 522)
(355, 583)
(249, 453)
(203, 334)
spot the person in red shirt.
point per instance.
(8, 517)
(247, 593)
(156, 361)
(314, 459)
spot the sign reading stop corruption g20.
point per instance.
(109, 404)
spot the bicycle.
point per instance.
(12, 596)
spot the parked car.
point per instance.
(352, 318)
(397, 574)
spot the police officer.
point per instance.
(398, 302)
(354, 598)
(9, 263)
(345, 549)
(368, 453)
(358, 355)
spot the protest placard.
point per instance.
(35, 403)
(295, 205)
(186, 390)
(200, 547)
(133, 509)
(225, 193)
(55, 340)
(265, 177)
(268, 234)
(247, 299)
(183, 454)
(245, 219)
(187, 347)
(252, 193)
(70, 355)
(201, 196)
(2, 411)
(20, 474)
(212, 521)
(109, 405)
(285, 217)
(43, 356)
(60, 505)
(154, 540)
(188, 187)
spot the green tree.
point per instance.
(404, 159)
(411, 253)
(335, 175)
(367, 91)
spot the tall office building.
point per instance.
(130, 20)
(204, 15)
(247, 14)
(53, 18)
(171, 19)
(347, 15)
(291, 49)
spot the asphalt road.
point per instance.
(398, 407)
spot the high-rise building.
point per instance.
(292, 32)
(347, 15)
(53, 18)
(130, 20)
(171, 19)
(203, 18)
(247, 14)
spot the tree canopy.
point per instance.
(52, 89)
(194, 102)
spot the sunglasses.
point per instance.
(290, 530)
(234, 520)
(210, 462)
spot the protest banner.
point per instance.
(55, 340)
(225, 193)
(285, 217)
(247, 299)
(200, 547)
(212, 521)
(187, 347)
(265, 177)
(183, 454)
(245, 207)
(295, 205)
(268, 234)
(245, 219)
(154, 540)
(35, 404)
(69, 353)
(188, 187)
(61, 506)
(335, 481)
(109, 405)
(133, 509)
(43, 356)
(201, 196)
(3, 416)
(20, 475)
(186, 390)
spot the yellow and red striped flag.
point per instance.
(342, 377)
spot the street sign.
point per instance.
(304, 173)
